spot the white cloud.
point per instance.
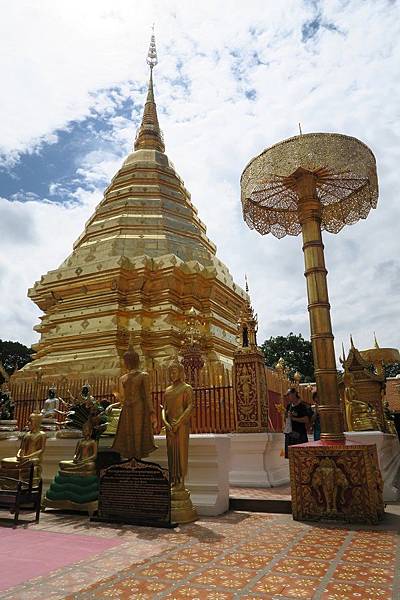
(210, 55)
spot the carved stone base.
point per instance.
(182, 509)
(338, 481)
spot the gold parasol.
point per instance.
(302, 185)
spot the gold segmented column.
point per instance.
(310, 212)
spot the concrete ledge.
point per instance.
(257, 461)
(388, 448)
(208, 476)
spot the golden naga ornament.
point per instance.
(176, 414)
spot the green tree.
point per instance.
(296, 352)
(12, 355)
(392, 370)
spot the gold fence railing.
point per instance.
(213, 398)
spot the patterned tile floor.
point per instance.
(282, 492)
(238, 555)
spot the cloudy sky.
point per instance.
(233, 78)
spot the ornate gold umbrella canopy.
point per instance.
(345, 177)
(302, 185)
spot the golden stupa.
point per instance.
(141, 263)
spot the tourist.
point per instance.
(298, 418)
(316, 421)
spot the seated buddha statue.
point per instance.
(31, 449)
(76, 485)
(360, 415)
(84, 461)
(77, 412)
(49, 410)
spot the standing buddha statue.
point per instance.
(134, 436)
(176, 413)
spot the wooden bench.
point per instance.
(16, 495)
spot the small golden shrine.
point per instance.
(141, 263)
(249, 376)
(369, 387)
(363, 384)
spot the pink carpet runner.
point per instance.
(25, 553)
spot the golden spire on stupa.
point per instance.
(149, 136)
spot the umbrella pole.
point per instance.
(310, 212)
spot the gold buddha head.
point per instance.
(87, 429)
(176, 372)
(35, 421)
(131, 359)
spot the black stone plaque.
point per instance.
(136, 492)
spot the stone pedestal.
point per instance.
(388, 449)
(182, 509)
(336, 481)
(257, 461)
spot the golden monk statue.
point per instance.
(360, 416)
(31, 449)
(176, 414)
(134, 437)
(84, 461)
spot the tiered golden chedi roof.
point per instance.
(141, 263)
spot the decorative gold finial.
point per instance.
(149, 136)
(247, 283)
(351, 341)
(301, 133)
(344, 355)
(152, 59)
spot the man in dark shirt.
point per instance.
(299, 414)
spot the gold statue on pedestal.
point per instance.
(360, 416)
(84, 461)
(31, 449)
(75, 487)
(134, 436)
(176, 414)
